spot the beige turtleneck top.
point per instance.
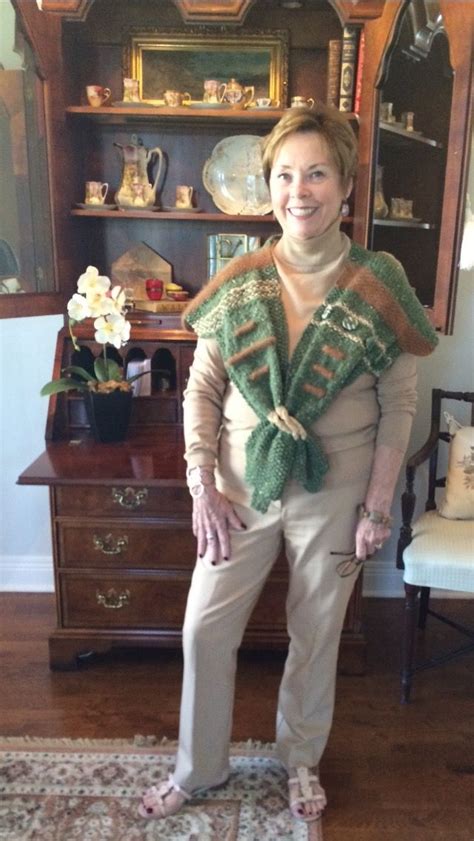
(218, 420)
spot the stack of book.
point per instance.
(345, 68)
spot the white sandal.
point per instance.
(311, 793)
(154, 803)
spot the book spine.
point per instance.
(333, 72)
(359, 73)
(348, 62)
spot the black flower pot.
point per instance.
(109, 414)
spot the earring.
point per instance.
(344, 209)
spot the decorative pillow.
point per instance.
(458, 501)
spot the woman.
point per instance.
(297, 417)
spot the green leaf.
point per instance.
(81, 372)
(64, 384)
(107, 369)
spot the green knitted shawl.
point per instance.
(368, 319)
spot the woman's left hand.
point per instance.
(369, 538)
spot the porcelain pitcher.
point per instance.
(138, 188)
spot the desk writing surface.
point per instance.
(156, 458)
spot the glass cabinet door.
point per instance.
(411, 143)
(27, 253)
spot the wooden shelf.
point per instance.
(159, 114)
(167, 215)
(399, 134)
(403, 223)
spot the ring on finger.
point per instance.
(378, 545)
(210, 537)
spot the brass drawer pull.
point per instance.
(129, 497)
(109, 546)
(113, 600)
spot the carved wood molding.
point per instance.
(76, 9)
(427, 22)
(225, 11)
(206, 11)
(356, 11)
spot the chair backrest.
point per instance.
(428, 452)
(438, 396)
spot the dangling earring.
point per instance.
(344, 209)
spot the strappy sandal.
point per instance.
(310, 791)
(154, 802)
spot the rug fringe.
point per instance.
(138, 741)
(38, 741)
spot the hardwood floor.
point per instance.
(392, 772)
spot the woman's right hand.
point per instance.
(213, 515)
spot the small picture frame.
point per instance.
(221, 248)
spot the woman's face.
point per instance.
(305, 186)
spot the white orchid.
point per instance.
(112, 329)
(91, 281)
(78, 308)
(99, 304)
(118, 299)
(107, 306)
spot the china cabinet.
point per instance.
(418, 60)
(123, 547)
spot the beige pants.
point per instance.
(220, 602)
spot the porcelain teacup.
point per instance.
(96, 192)
(97, 95)
(184, 196)
(175, 98)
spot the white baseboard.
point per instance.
(34, 574)
(382, 581)
(26, 574)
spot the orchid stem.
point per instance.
(73, 338)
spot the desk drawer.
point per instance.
(101, 545)
(122, 501)
(134, 602)
(124, 601)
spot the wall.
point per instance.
(26, 361)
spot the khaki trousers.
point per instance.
(220, 602)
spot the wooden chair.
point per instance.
(433, 551)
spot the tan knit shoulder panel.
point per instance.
(371, 289)
(253, 260)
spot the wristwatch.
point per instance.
(198, 478)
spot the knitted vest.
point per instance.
(368, 319)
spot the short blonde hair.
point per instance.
(324, 120)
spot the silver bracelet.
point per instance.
(198, 478)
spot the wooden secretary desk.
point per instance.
(120, 513)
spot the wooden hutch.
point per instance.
(123, 547)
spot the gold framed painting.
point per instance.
(182, 60)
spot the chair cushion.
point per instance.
(458, 500)
(441, 553)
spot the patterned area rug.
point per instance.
(82, 790)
